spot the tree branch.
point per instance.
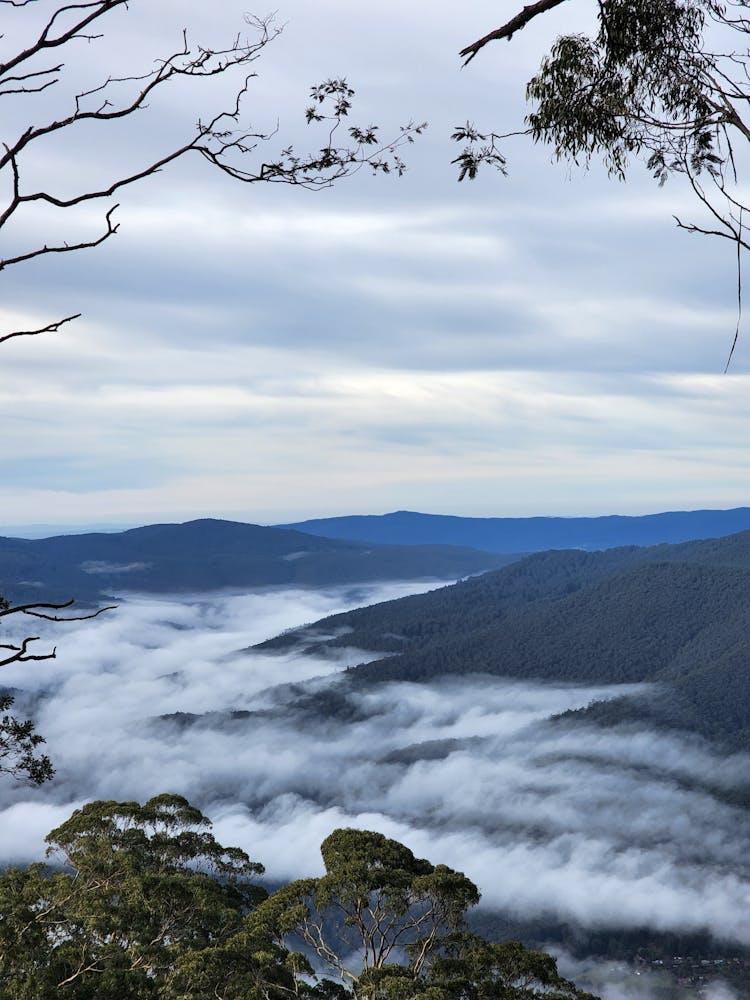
(509, 28)
(38, 609)
(49, 328)
(66, 247)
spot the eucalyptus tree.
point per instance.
(387, 925)
(140, 901)
(130, 890)
(664, 81)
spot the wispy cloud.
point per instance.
(384, 317)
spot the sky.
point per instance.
(544, 343)
(605, 828)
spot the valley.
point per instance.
(562, 729)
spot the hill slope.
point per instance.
(211, 554)
(678, 616)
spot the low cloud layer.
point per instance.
(623, 828)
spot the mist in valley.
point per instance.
(620, 828)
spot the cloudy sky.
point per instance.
(546, 343)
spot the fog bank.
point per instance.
(621, 828)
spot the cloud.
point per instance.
(604, 828)
(458, 334)
(622, 981)
(95, 566)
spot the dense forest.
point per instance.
(676, 617)
(141, 901)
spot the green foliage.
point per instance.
(19, 743)
(139, 888)
(675, 615)
(375, 897)
(149, 905)
(663, 80)
(475, 969)
(643, 83)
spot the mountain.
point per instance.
(674, 616)
(530, 534)
(211, 554)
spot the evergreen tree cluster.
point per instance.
(141, 901)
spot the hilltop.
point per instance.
(210, 554)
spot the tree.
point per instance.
(18, 739)
(148, 904)
(138, 887)
(389, 901)
(661, 80)
(390, 926)
(18, 744)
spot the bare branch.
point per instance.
(739, 295)
(39, 609)
(70, 618)
(23, 78)
(220, 140)
(20, 654)
(49, 328)
(508, 29)
(67, 247)
(76, 30)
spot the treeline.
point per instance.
(677, 616)
(141, 901)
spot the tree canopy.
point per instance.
(141, 901)
(661, 79)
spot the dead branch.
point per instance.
(19, 654)
(49, 328)
(111, 229)
(39, 609)
(508, 29)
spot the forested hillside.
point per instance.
(675, 616)
(211, 554)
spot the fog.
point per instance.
(609, 829)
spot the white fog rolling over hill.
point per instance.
(619, 828)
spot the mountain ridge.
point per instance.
(530, 534)
(211, 554)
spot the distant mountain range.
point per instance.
(530, 534)
(211, 554)
(676, 616)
